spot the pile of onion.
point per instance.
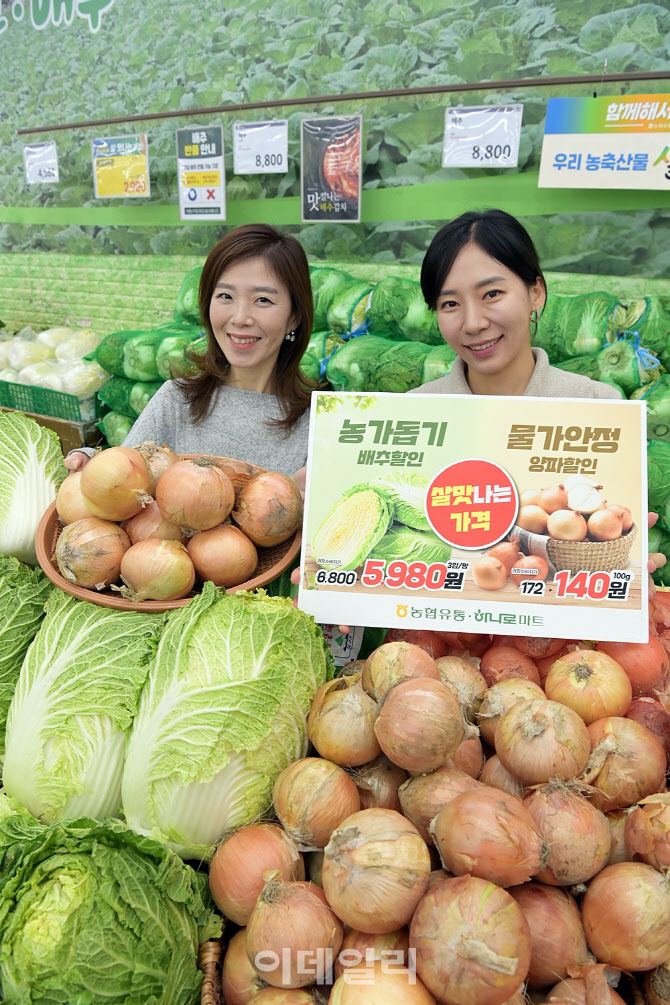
(393, 662)
(539, 739)
(419, 723)
(89, 552)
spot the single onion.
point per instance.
(341, 722)
(236, 870)
(158, 459)
(556, 933)
(472, 942)
(393, 662)
(468, 757)
(553, 499)
(89, 552)
(650, 713)
(115, 483)
(591, 683)
(532, 567)
(268, 508)
(626, 516)
(195, 494)
(239, 981)
(378, 784)
(578, 835)
(574, 991)
(494, 775)
(545, 665)
(375, 870)
(157, 570)
(434, 643)
(645, 663)
(539, 739)
(223, 555)
(647, 831)
(502, 662)
(282, 996)
(627, 762)
(605, 525)
(291, 933)
(423, 796)
(361, 947)
(419, 723)
(530, 497)
(489, 573)
(533, 519)
(150, 522)
(537, 649)
(657, 985)
(617, 824)
(381, 983)
(311, 797)
(566, 525)
(626, 916)
(489, 834)
(469, 683)
(70, 503)
(501, 697)
(506, 552)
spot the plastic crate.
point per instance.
(42, 401)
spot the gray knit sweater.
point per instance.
(236, 427)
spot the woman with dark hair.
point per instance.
(248, 398)
(482, 276)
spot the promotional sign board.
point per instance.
(330, 169)
(482, 136)
(121, 167)
(41, 163)
(260, 147)
(407, 493)
(617, 142)
(200, 170)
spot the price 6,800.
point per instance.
(410, 575)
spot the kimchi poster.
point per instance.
(331, 169)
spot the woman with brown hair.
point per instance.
(248, 398)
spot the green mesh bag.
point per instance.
(115, 427)
(326, 284)
(657, 397)
(397, 309)
(348, 307)
(135, 355)
(575, 326)
(186, 309)
(438, 362)
(648, 319)
(129, 397)
(623, 363)
(372, 363)
(658, 480)
(320, 348)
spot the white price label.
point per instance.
(485, 136)
(41, 163)
(260, 147)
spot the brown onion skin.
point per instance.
(469, 907)
(378, 784)
(148, 557)
(340, 724)
(419, 723)
(304, 791)
(395, 661)
(468, 757)
(499, 699)
(578, 835)
(645, 663)
(649, 712)
(150, 522)
(375, 870)
(462, 675)
(434, 643)
(423, 796)
(537, 648)
(647, 832)
(195, 494)
(489, 834)
(572, 991)
(268, 508)
(236, 875)
(377, 947)
(239, 981)
(614, 929)
(239, 560)
(617, 822)
(86, 542)
(497, 777)
(502, 662)
(619, 782)
(158, 458)
(70, 503)
(657, 985)
(556, 933)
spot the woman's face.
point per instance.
(251, 313)
(483, 311)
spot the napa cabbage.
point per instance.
(400, 542)
(354, 525)
(91, 912)
(407, 493)
(31, 471)
(77, 693)
(223, 711)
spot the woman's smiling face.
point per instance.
(483, 312)
(251, 313)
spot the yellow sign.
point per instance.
(201, 178)
(121, 167)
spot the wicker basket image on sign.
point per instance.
(271, 563)
(591, 556)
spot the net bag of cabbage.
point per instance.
(115, 427)
(314, 360)
(575, 326)
(186, 309)
(398, 311)
(648, 318)
(129, 397)
(624, 364)
(340, 300)
(146, 355)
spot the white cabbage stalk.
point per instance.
(77, 693)
(43, 374)
(82, 379)
(31, 471)
(77, 345)
(222, 713)
(22, 353)
(54, 336)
